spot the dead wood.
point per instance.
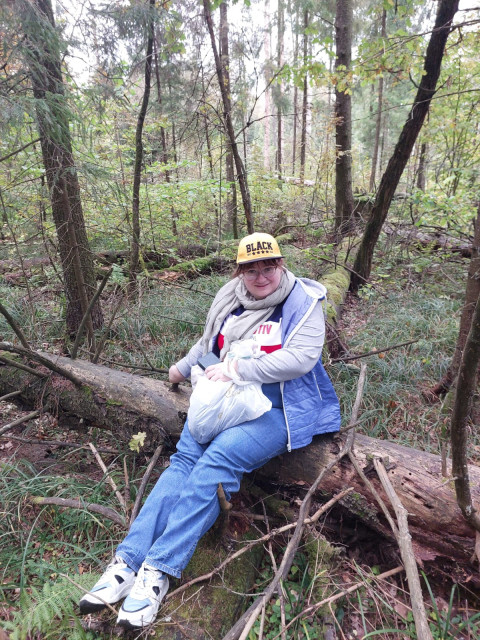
(408, 557)
(107, 512)
(435, 241)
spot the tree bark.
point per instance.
(231, 205)
(127, 404)
(227, 115)
(267, 77)
(44, 61)
(465, 389)
(303, 134)
(433, 60)
(378, 119)
(343, 121)
(137, 170)
(472, 295)
(280, 36)
(421, 171)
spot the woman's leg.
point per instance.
(237, 450)
(152, 519)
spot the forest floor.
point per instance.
(413, 298)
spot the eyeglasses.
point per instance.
(253, 274)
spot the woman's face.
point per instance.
(262, 285)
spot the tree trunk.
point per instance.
(343, 120)
(137, 170)
(267, 77)
(421, 171)
(465, 389)
(231, 205)
(280, 34)
(433, 60)
(472, 295)
(163, 137)
(227, 115)
(43, 57)
(127, 404)
(378, 119)
(303, 135)
(295, 97)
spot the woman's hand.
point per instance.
(174, 375)
(217, 372)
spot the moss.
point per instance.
(322, 561)
(359, 505)
(209, 609)
(199, 265)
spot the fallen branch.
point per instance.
(33, 355)
(107, 512)
(11, 321)
(372, 353)
(143, 484)
(59, 443)
(22, 367)
(404, 540)
(109, 478)
(13, 394)
(15, 423)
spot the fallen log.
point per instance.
(125, 404)
(434, 241)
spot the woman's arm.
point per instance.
(185, 365)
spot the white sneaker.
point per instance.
(142, 603)
(114, 585)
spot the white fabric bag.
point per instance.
(217, 405)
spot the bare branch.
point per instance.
(111, 514)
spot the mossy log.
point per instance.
(126, 404)
(109, 399)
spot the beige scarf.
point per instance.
(235, 294)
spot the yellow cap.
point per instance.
(258, 246)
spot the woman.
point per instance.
(284, 314)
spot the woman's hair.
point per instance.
(241, 268)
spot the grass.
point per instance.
(396, 310)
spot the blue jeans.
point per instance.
(183, 504)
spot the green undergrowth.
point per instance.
(399, 308)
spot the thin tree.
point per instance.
(343, 120)
(303, 135)
(421, 169)
(228, 121)
(280, 46)
(378, 118)
(43, 57)
(231, 204)
(134, 266)
(267, 76)
(472, 293)
(465, 390)
(431, 71)
(295, 94)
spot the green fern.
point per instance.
(51, 610)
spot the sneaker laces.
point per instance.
(147, 579)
